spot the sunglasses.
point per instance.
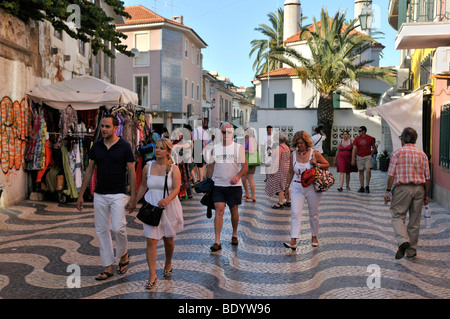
(227, 132)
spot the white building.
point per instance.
(287, 104)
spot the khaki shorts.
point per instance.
(364, 162)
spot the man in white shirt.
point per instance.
(318, 139)
(268, 150)
(201, 138)
(226, 169)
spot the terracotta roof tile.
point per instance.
(312, 28)
(141, 15)
(279, 72)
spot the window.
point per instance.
(142, 43)
(186, 49)
(280, 101)
(444, 141)
(193, 54)
(192, 90)
(81, 48)
(106, 61)
(198, 57)
(141, 88)
(185, 88)
(425, 70)
(198, 92)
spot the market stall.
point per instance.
(65, 124)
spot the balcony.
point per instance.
(420, 23)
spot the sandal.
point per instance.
(287, 204)
(246, 197)
(151, 284)
(120, 271)
(168, 273)
(277, 206)
(104, 273)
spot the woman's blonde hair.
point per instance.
(167, 145)
(305, 137)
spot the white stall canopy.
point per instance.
(401, 113)
(82, 93)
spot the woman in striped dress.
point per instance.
(279, 168)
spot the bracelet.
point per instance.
(388, 189)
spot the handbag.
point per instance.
(253, 159)
(323, 179)
(307, 177)
(150, 214)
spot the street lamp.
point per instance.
(366, 17)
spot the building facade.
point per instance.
(423, 39)
(166, 71)
(34, 54)
(287, 104)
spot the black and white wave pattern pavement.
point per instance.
(45, 245)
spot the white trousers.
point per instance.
(109, 217)
(298, 196)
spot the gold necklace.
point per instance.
(301, 153)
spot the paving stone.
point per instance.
(40, 240)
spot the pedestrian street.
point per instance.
(50, 251)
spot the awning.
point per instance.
(82, 93)
(401, 113)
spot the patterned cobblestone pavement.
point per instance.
(40, 240)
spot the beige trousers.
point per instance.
(407, 198)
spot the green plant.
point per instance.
(384, 155)
(331, 152)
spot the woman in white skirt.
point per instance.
(153, 177)
(304, 157)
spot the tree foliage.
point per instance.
(262, 47)
(95, 26)
(334, 65)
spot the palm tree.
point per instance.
(274, 38)
(334, 64)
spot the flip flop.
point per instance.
(120, 271)
(104, 273)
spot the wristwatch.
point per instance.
(388, 189)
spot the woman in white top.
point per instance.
(153, 178)
(301, 160)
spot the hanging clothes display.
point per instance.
(62, 152)
(68, 120)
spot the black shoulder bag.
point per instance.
(149, 214)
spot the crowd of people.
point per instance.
(183, 158)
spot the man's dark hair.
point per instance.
(114, 118)
(363, 128)
(409, 135)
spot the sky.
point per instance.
(227, 27)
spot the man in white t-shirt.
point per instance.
(318, 139)
(226, 169)
(200, 136)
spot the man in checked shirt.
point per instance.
(410, 174)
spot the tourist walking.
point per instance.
(268, 150)
(248, 181)
(153, 180)
(409, 173)
(318, 138)
(201, 137)
(276, 182)
(226, 169)
(343, 160)
(114, 159)
(302, 158)
(363, 149)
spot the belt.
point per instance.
(297, 181)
